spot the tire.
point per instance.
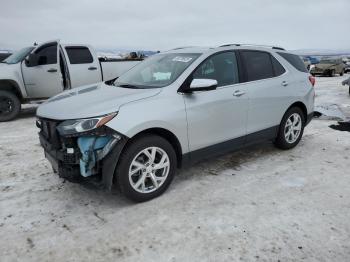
(10, 106)
(341, 73)
(332, 73)
(134, 153)
(281, 140)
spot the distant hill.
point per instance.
(121, 53)
(322, 52)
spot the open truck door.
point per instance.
(41, 71)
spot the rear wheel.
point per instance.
(10, 106)
(332, 73)
(291, 129)
(146, 168)
(341, 73)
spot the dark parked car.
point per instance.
(4, 56)
(347, 68)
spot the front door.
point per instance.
(44, 80)
(220, 115)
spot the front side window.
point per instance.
(157, 71)
(50, 52)
(79, 55)
(258, 65)
(221, 67)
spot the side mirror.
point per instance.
(42, 60)
(202, 85)
(31, 60)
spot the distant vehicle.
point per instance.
(347, 82)
(40, 72)
(307, 62)
(313, 60)
(329, 67)
(173, 109)
(4, 55)
(347, 67)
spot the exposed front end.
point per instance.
(81, 151)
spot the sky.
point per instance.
(163, 24)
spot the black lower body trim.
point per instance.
(309, 118)
(229, 146)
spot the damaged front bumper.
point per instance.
(88, 156)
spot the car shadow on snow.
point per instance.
(27, 112)
(100, 198)
(231, 161)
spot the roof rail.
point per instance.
(273, 47)
(181, 47)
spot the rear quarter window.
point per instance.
(295, 61)
(79, 55)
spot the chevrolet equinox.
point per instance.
(174, 109)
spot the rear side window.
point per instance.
(295, 61)
(277, 67)
(79, 55)
(258, 65)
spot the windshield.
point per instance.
(157, 71)
(18, 56)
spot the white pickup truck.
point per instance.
(39, 72)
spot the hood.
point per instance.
(90, 101)
(8, 70)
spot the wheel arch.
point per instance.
(300, 105)
(11, 86)
(167, 135)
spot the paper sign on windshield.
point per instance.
(182, 59)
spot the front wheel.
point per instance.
(291, 129)
(10, 106)
(341, 73)
(146, 168)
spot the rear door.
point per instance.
(267, 86)
(45, 80)
(83, 65)
(220, 115)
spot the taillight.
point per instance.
(312, 80)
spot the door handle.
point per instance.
(238, 93)
(92, 68)
(284, 83)
(52, 70)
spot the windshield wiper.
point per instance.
(127, 86)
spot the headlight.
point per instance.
(70, 127)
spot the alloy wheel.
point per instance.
(149, 170)
(292, 128)
(6, 105)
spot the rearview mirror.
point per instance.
(202, 85)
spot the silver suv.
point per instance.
(172, 110)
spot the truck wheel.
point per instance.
(146, 168)
(291, 129)
(10, 106)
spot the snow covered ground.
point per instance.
(258, 204)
